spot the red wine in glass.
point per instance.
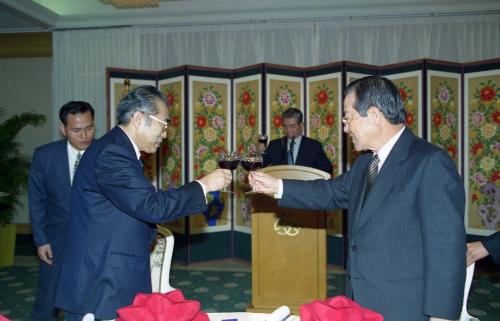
(228, 161)
(251, 162)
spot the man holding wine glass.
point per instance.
(294, 148)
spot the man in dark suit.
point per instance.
(405, 204)
(115, 209)
(480, 249)
(50, 179)
(295, 148)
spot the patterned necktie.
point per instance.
(290, 152)
(78, 156)
(372, 171)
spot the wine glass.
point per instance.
(262, 139)
(229, 161)
(251, 162)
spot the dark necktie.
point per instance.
(78, 156)
(290, 152)
(372, 171)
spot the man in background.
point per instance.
(51, 174)
(405, 201)
(295, 148)
(115, 209)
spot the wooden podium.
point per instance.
(288, 248)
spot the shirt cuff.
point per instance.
(279, 195)
(204, 188)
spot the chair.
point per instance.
(161, 260)
(465, 316)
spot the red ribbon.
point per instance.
(338, 308)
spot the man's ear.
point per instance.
(62, 129)
(374, 115)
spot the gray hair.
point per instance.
(292, 113)
(379, 92)
(142, 99)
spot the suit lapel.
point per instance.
(384, 182)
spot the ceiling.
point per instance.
(48, 15)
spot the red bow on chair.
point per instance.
(171, 306)
(338, 308)
(2, 318)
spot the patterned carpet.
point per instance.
(220, 290)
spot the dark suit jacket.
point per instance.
(406, 240)
(49, 198)
(492, 245)
(115, 208)
(310, 154)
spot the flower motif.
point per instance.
(251, 120)
(171, 164)
(215, 207)
(210, 134)
(241, 120)
(323, 132)
(277, 121)
(218, 122)
(450, 119)
(201, 121)
(322, 97)
(330, 120)
(409, 118)
(315, 120)
(246, 133)
(209, 99)
(209, 165)
(201, 151)
(488, 130)
(477, 149)
(487, 93)
(403, 94)
(175, 121)
(496, 117)
(495, 177)
(284, 97)
(477, 118)
(444, 132)
(437, 119)
(452, 151)
(246, 98)
(479, 178)
(444, 94)
(487, 164)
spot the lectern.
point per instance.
(288, 248)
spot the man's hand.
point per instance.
(475, 251)
(217, 180)
(45, 253)
(263, 183)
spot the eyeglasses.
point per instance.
(164, 123)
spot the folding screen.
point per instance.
(354, 71)
(172, 169)
(408, 79)
(284, 89)
(215, 110)
(248, 123)
(444, 108)
(482, 146)
(120, 82)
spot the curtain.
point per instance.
(81, 57)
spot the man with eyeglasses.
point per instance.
(405, 202)
(115, 209)
(294, 148)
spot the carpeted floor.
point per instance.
(221, 286)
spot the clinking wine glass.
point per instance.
(251, 162)
(229, 161)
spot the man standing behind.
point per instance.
(50, 179)
(115, 209)
(295, 148)
(405, 201)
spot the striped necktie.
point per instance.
(372, 171)
(290, 152)
(78, 156)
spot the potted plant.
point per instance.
(14, 171)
